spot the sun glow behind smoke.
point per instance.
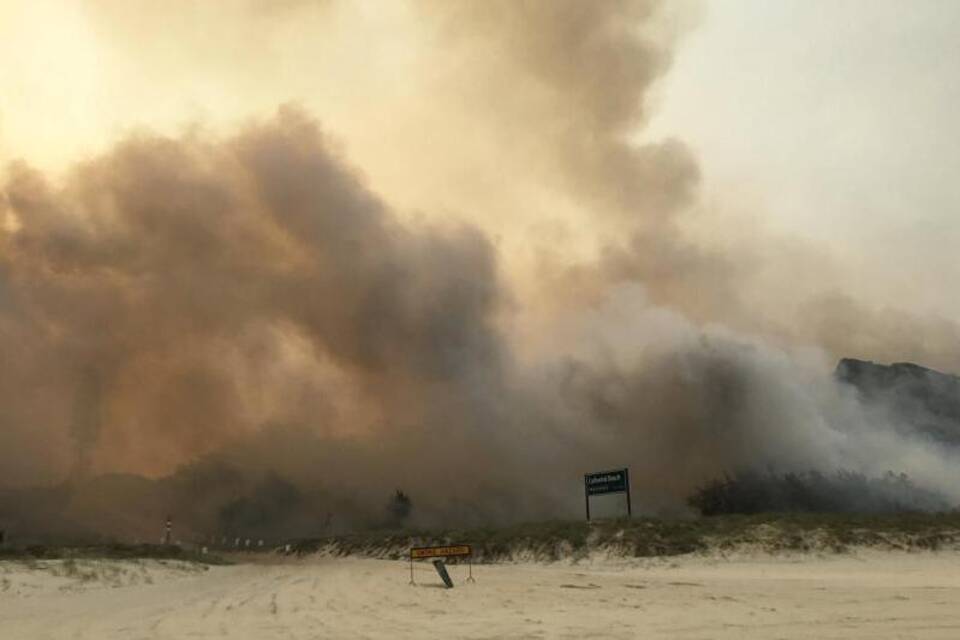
(56, 100)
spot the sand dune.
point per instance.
(867, 595)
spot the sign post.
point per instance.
(606, 482)
(449, 551)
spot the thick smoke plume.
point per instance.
(188, 292)
(239, 330)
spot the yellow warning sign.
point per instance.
(419, 553)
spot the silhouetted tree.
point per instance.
(399, 508)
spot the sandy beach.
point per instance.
(863, 595)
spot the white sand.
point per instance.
(869, 595)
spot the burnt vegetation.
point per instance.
(843, 492)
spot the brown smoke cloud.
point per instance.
(171, 274)
(579, 77)
(246, 320)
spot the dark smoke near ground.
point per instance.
(813, 492)
(239, 332)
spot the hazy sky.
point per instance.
(829, 120)
(837, 119)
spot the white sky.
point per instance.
(838, 118)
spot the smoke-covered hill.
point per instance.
(921, 401)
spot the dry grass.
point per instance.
(649, 537)
(31, 554)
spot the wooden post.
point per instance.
(629, 508)
(586, 497)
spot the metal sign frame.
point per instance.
(603, 483)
